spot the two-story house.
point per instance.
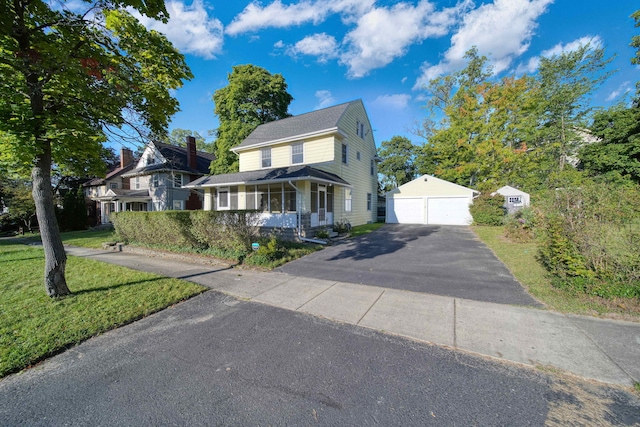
(316, 169)
(153, 183)
(99, 205)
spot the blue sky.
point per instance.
(333, 51)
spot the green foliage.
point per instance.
(274, 252)
(33, 326)
(616, 156)
(222, 233)
(520, 226)
(19, 201)
(322, 233)
(488, 210)
(178, 137)
(74, 211)
(397, 165)
(635, 40)
(590, 238)
(253, 97)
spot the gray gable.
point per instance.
(315, 121)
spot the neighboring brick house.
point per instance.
(155, 182)
(317, 168)
(95, 190)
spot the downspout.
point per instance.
(298, 208)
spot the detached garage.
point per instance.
(430, 200)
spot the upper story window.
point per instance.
(266, 157)
(297, 153)
(345, 153)
(155, 180)
(113, 185)
(373, 167)
(358, 155)
(177, 180)
(151, 160)
(136, 183)
(360, 129)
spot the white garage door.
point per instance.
(448, 211)
(406, 211)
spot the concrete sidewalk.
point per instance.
(604, 350)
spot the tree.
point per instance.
(635, 40)
(617, 154)
(397, 165)
(69, 77)
(566, 81)
(20, 203)
(253, 97)
(179, 137)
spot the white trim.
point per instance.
(273, 181)
(297, 144)
(228, 191)
(298, 137)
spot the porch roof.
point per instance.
(266, 176)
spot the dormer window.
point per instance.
(266, 157)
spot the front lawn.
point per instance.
(521, 259)
(34, 326)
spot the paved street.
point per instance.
(434, 259)
(215, 360)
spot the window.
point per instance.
(314, 197)
(151, 160)
(514, 199)
(368, 201)
(345, 153)
(113, 185)
(136, 183)
(155, 180)
(297, 153)
(275, 198)
(250, 197)
(358, 155)
(289, 198)
(347, 200)
(266, 157)
(360, 129)
(178, 205)
(223, 199)
(373, 167)
(177, 180)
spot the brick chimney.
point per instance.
(192, 159)
(126, 157)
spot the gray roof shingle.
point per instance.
(293, 173)
(314, 121)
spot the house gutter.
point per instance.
(299, 202)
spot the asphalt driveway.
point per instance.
(435, 259)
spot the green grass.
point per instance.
(88, 238)
(521, 259)
(34, 326)
(359, 230)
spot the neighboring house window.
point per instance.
(373, 167)
(136, 183)
(150, 160)
(266, 157)
(178, 205)
(514, 199)
(177, 180)
(113, 185)
(358, 155)
(223, 199)
(155, 180)
(345, 153)
(368, 201)
(297, 153)
(347, 199)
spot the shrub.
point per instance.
(520, 225)
(227, 230)
(166, 228)
(488, 210)
(590, 239)
(322, 233)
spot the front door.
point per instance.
(322, 203)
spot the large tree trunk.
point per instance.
(54, 255)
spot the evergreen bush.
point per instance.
(488, 210)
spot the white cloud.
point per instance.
(502, 30)
(321, 45)
(189, 29)
(255, 17)
(383, 34)
(624, 88)
(325, 99)
(532, 65)
(398, 101)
